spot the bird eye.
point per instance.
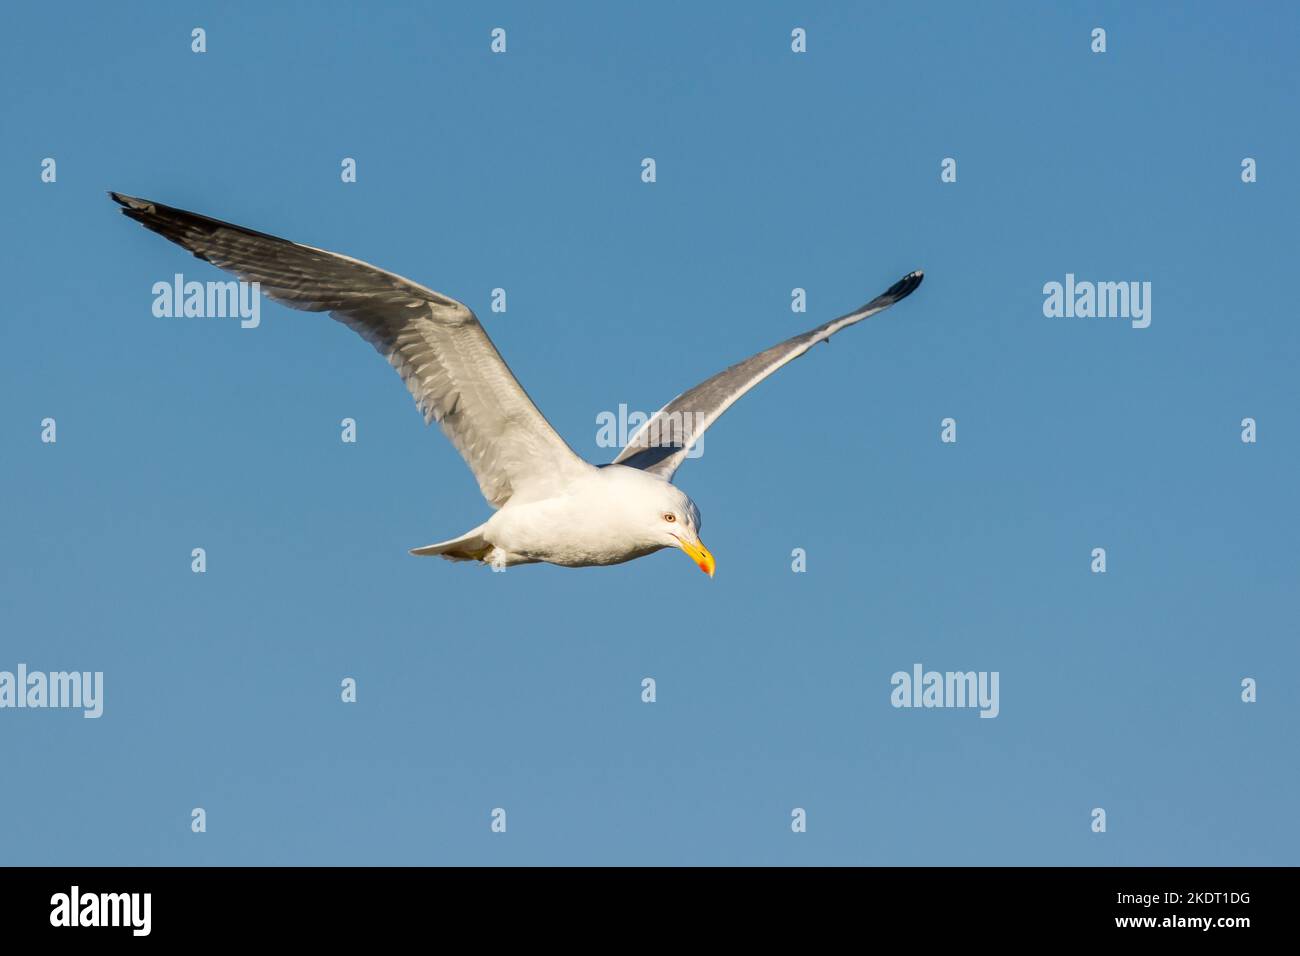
(670, 517)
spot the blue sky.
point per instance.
(774, 171)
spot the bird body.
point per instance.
(600, 519)
(552, 506)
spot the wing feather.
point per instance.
(662, 443)
(436, 344)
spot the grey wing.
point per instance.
(435, 343)
(660, 445)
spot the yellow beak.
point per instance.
(700, 555)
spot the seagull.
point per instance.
(551, 505)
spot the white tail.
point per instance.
(468, 547)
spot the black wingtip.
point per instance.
(898, 291)
(904, 286)
(173, 223)
(137, 209)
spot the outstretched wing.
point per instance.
(436, 344)
(660, 445)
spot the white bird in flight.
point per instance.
(552, 506)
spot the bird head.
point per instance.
(678, 525)
(653, 513)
